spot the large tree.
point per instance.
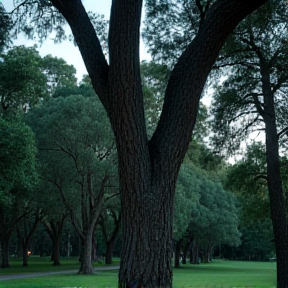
(148, 169)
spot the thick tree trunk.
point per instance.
(5, 244)
(86, 255)
(147, 243)
(56, 250)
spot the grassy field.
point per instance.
(218, 274)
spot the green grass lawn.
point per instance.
(218, 274)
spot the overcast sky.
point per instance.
(67, 50)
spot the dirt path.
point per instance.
(38, 274)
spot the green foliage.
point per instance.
(257, 240)
(41, 19)
(77, 155)
(17, 159)
(154, 80)
(204, 209)
(5, 27)
(186, 199)
(215, 219)
(59, 74)
(23, 84)
(258, 44)
(170, 26)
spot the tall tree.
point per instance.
(76, 159)
(148, 169)
(17, 179)
(256, 94)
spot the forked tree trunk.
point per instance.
(148, 169)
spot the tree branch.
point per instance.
(88, 43)
(189, 76)
(285, 130)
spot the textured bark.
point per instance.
(148, 169)
(86, 255)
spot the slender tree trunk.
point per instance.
(177, 253)
(109, 251)
(278, 212)
(276, 194)
(25, 256)
(195, 252)
(5, 244)
(207, 254)
(186, 249)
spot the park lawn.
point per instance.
(218, 274)
(226, 274)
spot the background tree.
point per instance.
(148, 169)
(59, 74)
(77, 152)
(254, 98)
(110, 222)
(17, 178)
(22, 82)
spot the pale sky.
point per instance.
(66, 49)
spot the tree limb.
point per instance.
(88, 43)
